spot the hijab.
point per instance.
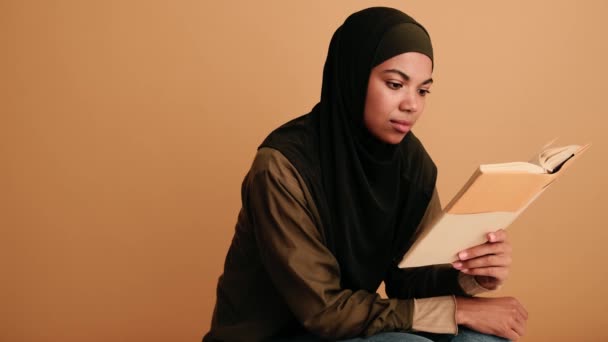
(371, 195)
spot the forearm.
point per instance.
(423, 282)
(360, 313)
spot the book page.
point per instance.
(535, 158)
(512, 167)
(551, 159)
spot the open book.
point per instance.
(548, 160)
(493, 197)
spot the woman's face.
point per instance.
(396, 94)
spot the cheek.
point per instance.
(377, 104)
(421, 106)
(372, 115)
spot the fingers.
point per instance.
(515, 321)
(511, 335)
(491, 266)
(519, 317)
(504, 317)
(497, 242)
(497, 236)
(523, 313)
(501, 247)
(492, 260)
(489, 261)
(519, 325)
(499, 273)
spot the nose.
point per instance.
(409, 102)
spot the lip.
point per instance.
(401, 126)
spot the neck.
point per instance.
(376, 149)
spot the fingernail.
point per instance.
(462, 255)
(492, 237)
(457, 265)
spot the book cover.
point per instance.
(489, 200)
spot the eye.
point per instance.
(423, 92)
(394, 85)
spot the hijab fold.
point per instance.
(371, 195)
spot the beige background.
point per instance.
(126, 129)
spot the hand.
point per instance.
(488, 262)
(504, 317)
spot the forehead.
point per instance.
(414, 64)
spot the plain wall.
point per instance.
(126, 128)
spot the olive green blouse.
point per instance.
(280, 279)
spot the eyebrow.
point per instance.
(406, 77)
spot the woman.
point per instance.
(335, 197)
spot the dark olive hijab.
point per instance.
(371, 195)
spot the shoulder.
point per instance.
(272, 171)
(273, 180)
(271, 161)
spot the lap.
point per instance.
(381, 337)
(390, 337)
(464, 335)
(467, 335)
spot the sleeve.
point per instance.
(435, 314)
(302, 269)
(470, 286)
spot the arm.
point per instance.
(489, 264)
(430, 281)
(302, 269)
(436, 284)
